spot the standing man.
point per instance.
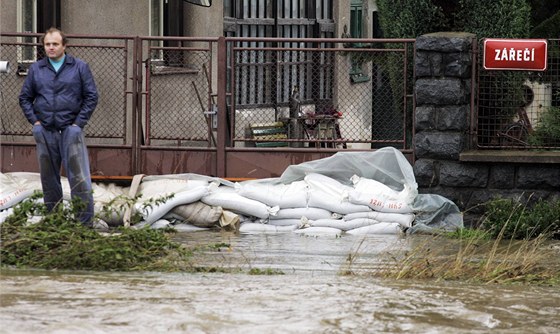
(58, 97)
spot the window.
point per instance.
(34, 16)
(166, 19)
(27, 22)
(356, 19)
(285, 19)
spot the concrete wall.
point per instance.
(443, 106)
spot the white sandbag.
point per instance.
(293, 195)
(380, 197)
(199, 214)
(160, 223)
(162, 186)
(341, 224)
(237, 203)
(152, 212)
(285, 222)
(326, 185)
(319, 231)
(380, 228)
(182, 227)
(378, 203)
(110, 203)
(379, 189)
(4, 214)
(15, 187)
(10, 196)
(264, 228)
(297, 213)
(404, 219)
(321, 199)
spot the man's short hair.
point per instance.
(53, 30)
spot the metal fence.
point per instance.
(520, 109)
(161, 104)
(109, 59)
(320, 92)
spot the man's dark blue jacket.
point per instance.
(59, 99)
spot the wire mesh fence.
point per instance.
(520, 109)
(108, 60)
(307, 92)
(333, 94)
(179, 95)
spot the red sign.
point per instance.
(515, 54)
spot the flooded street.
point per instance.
(310, 297)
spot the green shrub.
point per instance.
(549, 28)
(547, 132)
(495, 19)
(508, 218)
(409, 18)
(59, 241)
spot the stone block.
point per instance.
(444, 91)
(502, 177)
(426, 173)
(428, 64)
(452, 118)
(457, 65)
(539, 177)
(445, 41)
(425, 118)
(455, 174)
(439, 145)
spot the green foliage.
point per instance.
(510, 219)
(496, 19)
(59, 241)
(409, 18)
(468, 234)
(547, 132)
(549, 28)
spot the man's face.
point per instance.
(53, 46)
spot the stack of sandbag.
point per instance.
(175, 201)
(349, 192)
(319, 205)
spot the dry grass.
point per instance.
(476, 259)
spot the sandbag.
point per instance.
(160, 223)
(380, 197)
(378, 203)
(15, 187)
(380, 228)
(233, 201)
(264, 228)
(297, 213)
(4, 214)
(404, 219)
(323, 200)
(326, 185)
(285, 222)
(152, 212)
(341, 224)
(319, 231)
(229, 220)
(161, 185)
(182, 227)
(292, 195)
(199, 214)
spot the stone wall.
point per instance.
(443, 67)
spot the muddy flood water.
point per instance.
(310, 297)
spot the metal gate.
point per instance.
(230, 107)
